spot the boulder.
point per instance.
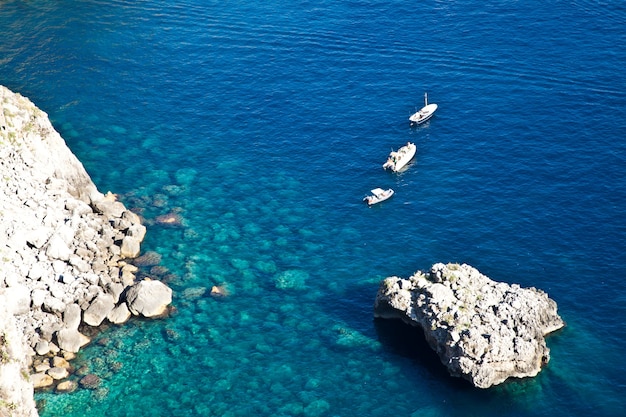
(42, 347)
(41, 380)
(58, 373)
(483, 331)
(108, 206)
(148, 298)
(60, 362)
(38, 237)
(37, 297)
(72, 316)
(99, 308)
(130, 247)
(115, 289)
(18, 299)
(71, 340)
(90, 381)
(37, 271)
(52, 304)
(119, 314)
(58, 249)
(136, 230)
(66, 386)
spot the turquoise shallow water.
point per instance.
(263, 126)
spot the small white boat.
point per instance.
(425, 112)
(398, 159)
(378, 195)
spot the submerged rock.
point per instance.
(483, 331)
(220, 291)
(90, 381)
(170, 219)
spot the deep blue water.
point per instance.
(263, 124)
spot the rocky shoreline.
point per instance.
(483, 331)
(65, 250)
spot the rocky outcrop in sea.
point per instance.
(65, 250)
(483, 331)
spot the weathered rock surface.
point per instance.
(16, 389)
(148, 298)
(62, 242)
(483, 331)
(71, 340)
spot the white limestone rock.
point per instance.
(58, 249)
(120, 314)
(72, 316)
(71, 340)
(41, 380)
(58, 373)
(148, 298)
(482, 330)
(17, 299)
(59, 239)
(15, 389)
(130, 247)
(99, 309)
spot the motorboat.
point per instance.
(398, 159)
(378, 195)
(424, 113)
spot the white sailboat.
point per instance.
(424, 113)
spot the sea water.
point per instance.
(262, 125)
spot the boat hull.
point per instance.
(423, 115)
(400, 158)
(379, 197)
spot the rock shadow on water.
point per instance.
(398, 338)
(409, 342)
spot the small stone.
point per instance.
(54, 349)
(219, 291)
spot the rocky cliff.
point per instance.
(63, 252)
(16, 391)
(483, 331)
